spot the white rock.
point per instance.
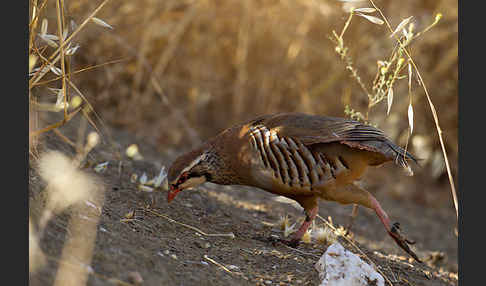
(340, 267)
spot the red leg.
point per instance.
(352, 194)
(310, 216)
(393, 231)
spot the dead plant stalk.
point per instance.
(432, 107)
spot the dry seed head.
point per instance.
(66, 184)
(350, 5)
(383, 70)
(410, 117)
(306, 238)
(44, 26)
(73, 25)
(32, 61)
(56, 70)
(324, 235)
(340, 231)
(438, 17)
(411, 27)
(288, 230)
(365, 10)
(92, 140)
(133, 153)
(400, 62)
(372, 19)
(72, 50)
(76, 101)
(283, 222)
(389, 100)
(400, 26)
(101, 23)
(48, 40)
(65, 34)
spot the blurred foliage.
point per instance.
(193, 68)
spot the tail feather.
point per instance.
(402, 156)
(392, 151)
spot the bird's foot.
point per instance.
(347, 229)
(402, 241)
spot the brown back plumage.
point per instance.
(314, 129)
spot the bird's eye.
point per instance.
(183, 178)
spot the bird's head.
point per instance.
(189, 170)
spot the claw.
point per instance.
(395, 227)
(410, 241)
(402, 241)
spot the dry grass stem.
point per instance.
(224, 267)
(55, 55)
(230, 235)
(432, 107)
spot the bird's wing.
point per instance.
(314, 129)
(311, 129)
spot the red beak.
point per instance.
(172, 193)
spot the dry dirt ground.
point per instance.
(161, 242)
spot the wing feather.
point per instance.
(314, 129)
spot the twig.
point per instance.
(231, 235)
(64, 138)
(60, 30)
(223, 267)
(55, 125)
(300, 251)
(82, 70)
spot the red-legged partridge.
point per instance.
(299, 156)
